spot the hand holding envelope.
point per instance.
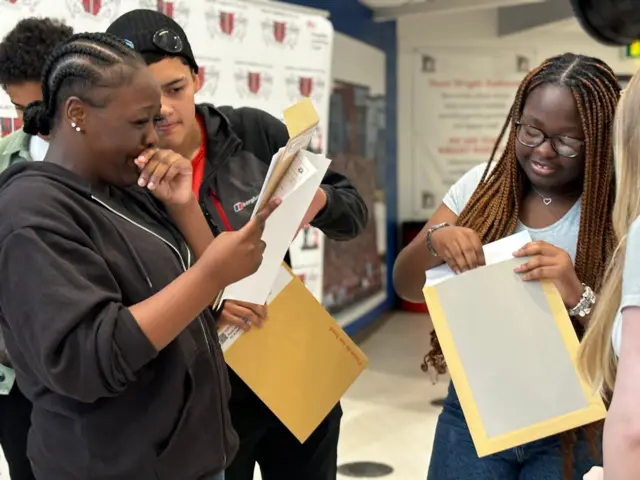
(459, 247)
(492, 253)
(242, 315)
(548, 262)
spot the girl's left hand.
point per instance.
(548, 262)
(168, 175)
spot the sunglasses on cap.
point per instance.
(168, 41)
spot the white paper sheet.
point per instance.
(494, 252)
(299, 187)
(503, 249)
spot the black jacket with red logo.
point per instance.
(240, 145)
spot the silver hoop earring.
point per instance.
(77, 128)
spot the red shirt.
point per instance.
(198, 161)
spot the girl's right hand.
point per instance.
(459, 247)
(233, 256)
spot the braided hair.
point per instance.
(84, 61)
(494, 208)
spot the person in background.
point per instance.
(609, 355)
(23, 53)
(555, 179)
(230, 150)
(110, 271)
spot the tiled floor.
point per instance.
(388, 417)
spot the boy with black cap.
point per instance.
(231, 150)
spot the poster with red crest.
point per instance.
(268, 56)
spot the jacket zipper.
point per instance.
(205, 330)
(220, 210)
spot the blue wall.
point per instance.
(352, 18)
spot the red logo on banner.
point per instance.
(92, 6)
(9, 125)
(279, 31)
(208, 75)
(227, 22)
(254, 82)
(166, 8)
(306, 86)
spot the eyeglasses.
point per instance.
(534, 137)
(168, 40)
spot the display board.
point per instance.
(354, 271)
(260, 54)
(462, 98)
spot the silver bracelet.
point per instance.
(586, 303)
(432, 250)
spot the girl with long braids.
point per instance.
(555, 179)
(106, 317)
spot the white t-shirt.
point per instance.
(563, 234)
(38, 148)
(630, 282)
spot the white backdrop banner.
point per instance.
(461, 101)
(259, 54)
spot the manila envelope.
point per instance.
(511, 351)
(300, 363)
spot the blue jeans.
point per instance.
(454, 456)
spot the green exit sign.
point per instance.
(633, 50)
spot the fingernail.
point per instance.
(151, 186)
(141, 182)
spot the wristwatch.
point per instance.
(432, 250)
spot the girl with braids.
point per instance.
(109, 330)
(608, 355)
(554, 179)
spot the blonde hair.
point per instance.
(596, 358)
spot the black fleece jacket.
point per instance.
(106, 404)
(239, 148)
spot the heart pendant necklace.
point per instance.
(546, 200)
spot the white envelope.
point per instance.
(282, 227)
(494, 252)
